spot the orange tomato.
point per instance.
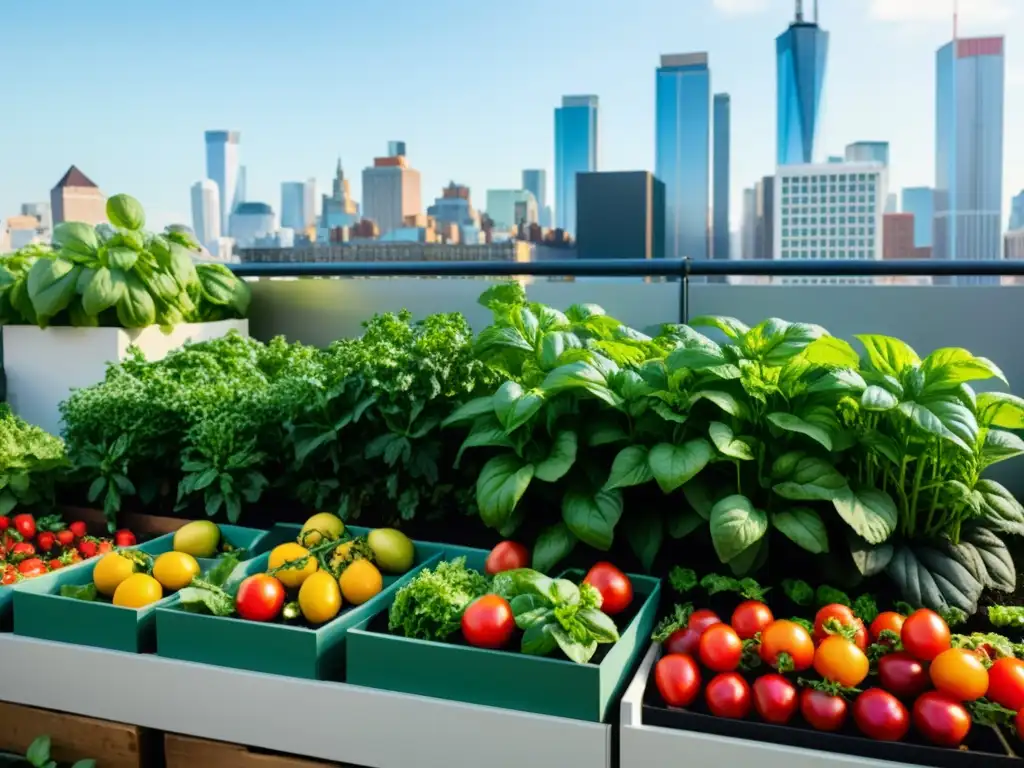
(841, 661)
(960, 674)
(787, 637)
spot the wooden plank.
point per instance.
(73, 737)
(189, 752)
(146, 526)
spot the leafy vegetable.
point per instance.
(826, 595)
(800, 592)
(430, 606)
(31, 463)
(1006, 616)
(85, 592)
(683, 580)
(205, 597)
(676, 620)
(865, 608)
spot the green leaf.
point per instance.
(599, 625)
(1000, 445)
(592, 517)
(869, 559)
(629, 468)
(561, 458)
(696, 358)
(724, 400)
(645, 532)
(508, 293)
(832, 352)
(554, 344)
(699, 497)
(1000, 409)
(136, 308)
(876, 398)
(736, 525)
(675, 465)
(804, 527)
(1000, 509)
(681, 522)
(947, 418)
(121, 258)
(85, 592)
(727, 443)
(514, 407)
(105, 289)
(480, 406)
(930, 578)
(580, 375)
(502, 482)
(775, 342)
(882, 445)
(987, 557)
(38, 753)
(887, 355)
(750, 559)
(487, 432)
(791, 423)
(730, 326)
(871, 513)
(76, 237)
(203, 597)
(52, 284)
(947, 368)
(554, 544)
(581, 653)
(539, 640)
(811, 479)
(837, 380)
(126, 212)
(87, 763)
(605, 431)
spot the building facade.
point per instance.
(721, 238)
(801, 53)
(764, 218)
(338, 209)
(1016, 212)
(508, 208)
(970, 82)
(621, 215)
(576, 138)
(77, 198)
(454, 206)
(41, 211)
(222, 167)
(509, 250)
(206, 213)
(391, 192)
(920, 201)
(898, 236)
(293, 205)
(868, 152)
(748, 230)
(251, 221)
(535, 180)
(682, 146)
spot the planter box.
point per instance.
(652, 733)
(507, 679)
(279, 649)
(43, 365)
(188, 752)
(73, 737)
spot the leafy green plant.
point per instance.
(38, 755)
(430, 606)
(31, 463)
(1006, 616)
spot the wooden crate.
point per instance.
(73, 737)
(189, 752)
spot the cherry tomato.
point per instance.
(31, 567)
(790, 638)
(862, 638)
(678, 679)
(775, 699)
(822, 711)
(841, 661)
(751, 617)
(720, 648)
(903, 675)
(25, 524)
(1006, 683)
(837, 611)
(880, 715)
(728, 695)
(507, 556)
(887, 620)
(78, 529)
(960, 674)
(941, 719)
(702, 619)
(488, 622)
(615, 587)
(260, 598)
(925, 634)
(684, 640)
(124, 538)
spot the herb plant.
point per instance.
(430, 606)
(31, 463)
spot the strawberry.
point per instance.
(87, 548)
(124, 538)
(65, 538)
(5, 523)
(45, 541)
(25, 524)
(105, 545)
(71, 556)
(23, 548)
(31, 567)
(78, 529)
(11, 575)
(56, 564)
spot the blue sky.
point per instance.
(126, 89)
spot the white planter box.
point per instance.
(44, 365)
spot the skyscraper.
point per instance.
(508, 208)
(293, 205)
(621, 215)
(1016, 212)
(920, 201)
(801, 52)
(720, 228)
(970, 75)
(309, 202)
(748, 229)
(338, 208)
(682, 146)
(868, 152)
(222, 169)
(391, 191)
(206, 213)
(575, 152)
(536, 181)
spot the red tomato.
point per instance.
(862, 637)
(260, 598)
(822, 711)
(925, 634)
(941, 719)
(751, 617)
(775, 699)
(903, 675)
(702, 619)
(23, 548)
(25, 524)
(787, 637)
(841, 661)
(678, 679)
(720, 648)
(507, 556)
(728, 695)
(880, 716)
(836, 611)
(683, 641)
(1006, 683)
(77, 529)
(615, 587)
(488, 622)
(31, 567)
(960, 674)
(65, 538)
(887, 620)
(5, 523)
(124, 538)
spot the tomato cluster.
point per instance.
(920, 679)
(31, 547)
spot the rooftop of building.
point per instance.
(254, 209)
(75, 178)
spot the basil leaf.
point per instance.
(804, 527)
(581, 653)
(501, 484)
(736, 525)
(599, 625)
(539, 639)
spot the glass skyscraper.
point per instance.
(535, 180)
(920, 201)
(222, 168)
(720, 226)
(868, 152)
(801, 52)
(293, 205)
(575, 152)
(970, 75)
(1017, 212)
(682, 145)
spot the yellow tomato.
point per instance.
(319, 526)
(360, 581)
(291, 577)
(110, 571)
(137, 591)
(319, 598)
(175, 570)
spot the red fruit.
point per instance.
(775, 699)
(862, 637)
(728, 695)
(678, 679)
(720, 648)
(10, 576)
(751, 617)
(959, 673)
(925, 634)
(507, 556)
(45, 541)
(787, 637)
(87, 549)
(702, 619)
(488, 622)
(1006, 683)
(31, 567)
(1018, 723)
(124, 538)
(65, 538)
(78, 529)
(837, 611)
(903, 675)
(880, 715)
(105, 545)
(260, 598)
(822, 711)
(25, 524)
(56, 564)
(5, 523)
(942, 720)
(615, 587)
(684, 640)
(887, 620)
(23, 548)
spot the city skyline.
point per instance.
(887, 96)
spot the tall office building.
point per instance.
(77, 198)
(720, 243)
(222, 168)
(682, 146)
(801, 53)
(621, 216)
(764, 218)
(970, 80)
(536, 181)
(920, 201)
(206, 213)
(748, 229)
(508, 208)
(868, 152)
(396, 149)
(391, 192)
(293, 205)
(1016, 212)
(575, 152)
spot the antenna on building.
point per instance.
(956, 18)
(799, 11)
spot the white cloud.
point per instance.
(739, 7)
(971, 11)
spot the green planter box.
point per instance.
(279, 649)
(508, 679)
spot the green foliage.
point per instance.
(430, 606)
(1006, 616)
(38, 755)
(31, 463)
(800, 592)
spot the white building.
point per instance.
(250, 221)
(391, 192)
(206, 212)
(829, 211)
(508, 207)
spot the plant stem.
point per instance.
(918, 476)
(739, 481)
